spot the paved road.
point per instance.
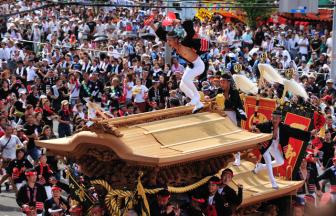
(8, 206)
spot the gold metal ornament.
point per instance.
(263, 57)
(289, 73)
(220, 101)
(237, 68)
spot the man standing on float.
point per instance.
(281, 134)
(190, 48)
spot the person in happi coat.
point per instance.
(330, 174)
(230, 197)
(308, 173)
(196, 207)
(44, 172)
(31, 195)
(281, 134)
(56, 200)
(17, 167)
(159, 206)
(214, 201)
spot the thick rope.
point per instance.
(114, 197)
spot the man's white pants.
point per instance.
(333, 198)
(232, 116)
(278, 161)
(19, 185)
(187, 83)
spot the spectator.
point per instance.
(8, 144)
(49, 83)
(64, 119)
(140, 95)
(160, 205)
(214, 201)
(32, 133)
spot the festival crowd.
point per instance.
(55, 62)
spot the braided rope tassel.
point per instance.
(114, 197)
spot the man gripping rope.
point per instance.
(190, 48)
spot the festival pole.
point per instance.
(333, 55)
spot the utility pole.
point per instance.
(333, 55)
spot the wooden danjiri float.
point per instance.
(170, 147)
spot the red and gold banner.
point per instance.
(265, 108)
(296, 148)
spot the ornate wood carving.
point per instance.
(102, 154)
(104, 164)
(102, 127)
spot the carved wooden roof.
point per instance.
(257, 187)
(162, 142)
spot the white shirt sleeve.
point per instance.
(17, 140)
(144, 88)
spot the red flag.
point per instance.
(169, 19)
(295, 148)
(319, 120)
(257, 112)
(149, 20)
(264, 110)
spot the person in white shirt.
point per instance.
(45, 26)
(74, 88)
(268, 43)
(329, 45)
(83, 30)
(53, 26)
(176, 66)
(129, 88)
(66, 27)
(304, 68)
(8, 143)
(247, 37)
(303, 45)
(31, 73)
(280, 50)
(215, 50)
(139, 92)
(230, 33)
(2, 50)
(100, 28)
(5, 52)
(293, 45)
(203, 30)
(36, 36)
(79, 111)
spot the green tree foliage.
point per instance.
(254, 14)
